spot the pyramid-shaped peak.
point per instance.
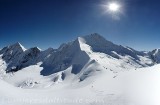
(34, 51)
(17, 45)
(94, 36)
(96, 39)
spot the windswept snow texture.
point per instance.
(89, 70)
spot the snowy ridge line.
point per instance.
(17, 57)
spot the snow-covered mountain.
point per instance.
(82, 58)
(155, 54)
(90, 64)
(76, 53)
(85, 56)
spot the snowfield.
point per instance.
(136, 87)
(87, 71)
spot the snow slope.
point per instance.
(136, 87)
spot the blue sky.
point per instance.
(48, 23)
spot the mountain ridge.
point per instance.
(75, 53)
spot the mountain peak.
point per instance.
(156, 55)
(97, 41)
(18, 45)
(156, 51)
(95, 36)
(36, 48)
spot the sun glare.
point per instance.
(114, 7)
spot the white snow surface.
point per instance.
(136, 87)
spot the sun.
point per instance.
(114, 7)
